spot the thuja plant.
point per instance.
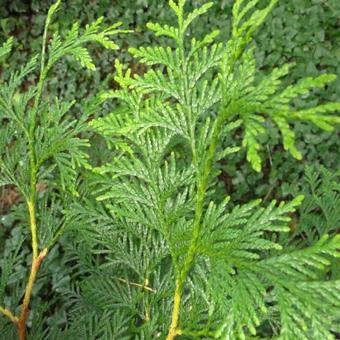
(205, 267)
(41, 149)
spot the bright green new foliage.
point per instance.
(229, 275)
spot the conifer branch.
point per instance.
(185, 104)
(31, 202)
(48, 140)
(21, 322)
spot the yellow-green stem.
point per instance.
(36, 259)
(8, 314)
(173, 330)
(31, 200)
(33, 225)
(21, 323)
(202, 183)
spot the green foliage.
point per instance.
(231, 272)
(300, 32)
(57, 135)
(319, 214)
(6, 48)
(154, 245)
(41, 152)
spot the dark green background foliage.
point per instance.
(304, 31)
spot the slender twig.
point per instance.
(33, 225)
(152, 290)
(21, 323)
(57, 235)
(31, 202)
(42, 75)
(9, 314)
(202, 181)
(173, 330)
(196, 334)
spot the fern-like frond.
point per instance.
(253, 22)
(166, 138)
(239, 235)
(267, 97)
(73, 42)
(6, 48)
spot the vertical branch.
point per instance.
(33, 225)
(31, 142)
(21, 323)
(202, 183)
(43, 70)
(173, 330)
(31, 201)
(35, 107)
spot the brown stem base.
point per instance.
(21, 323)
